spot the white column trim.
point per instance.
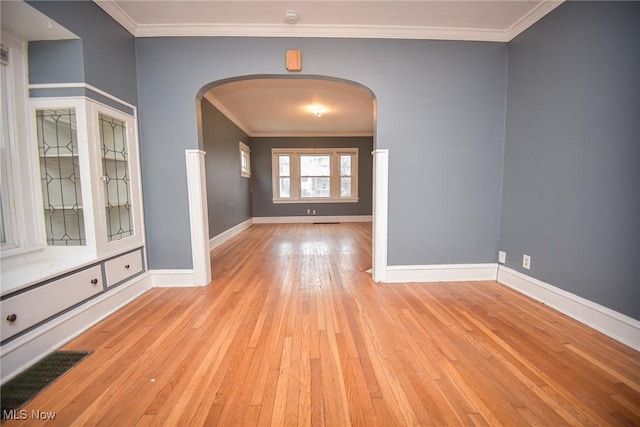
(198, 217)
(380, 214)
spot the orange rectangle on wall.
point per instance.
(294, 60)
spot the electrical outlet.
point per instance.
(308, 211)
(314, 211)
(526, 262)
(502, 257)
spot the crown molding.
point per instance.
(216, 103)
(327, 31)
(532, 17)
(236, 121)
(321, 31)
(118, 14)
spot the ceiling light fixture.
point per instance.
(317, 110)
(291, 17)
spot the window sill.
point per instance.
(303, 201)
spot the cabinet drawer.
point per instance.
(123, 267)
(28, 308)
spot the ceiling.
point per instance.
(26, 23)
(280, 107)
(499, 20)
(295, 106)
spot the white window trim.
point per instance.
(244, 148)
(24, 185)
(295, 175)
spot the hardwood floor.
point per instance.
(293, 331)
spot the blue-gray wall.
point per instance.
(570, 148)
(571, 197)
(108, 50)
(228, 193)
(263, 205)
(56, 61)
(441, 108)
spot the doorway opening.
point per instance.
(314, 121)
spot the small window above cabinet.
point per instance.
(89, 174)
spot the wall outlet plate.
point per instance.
(502, 257)
(526, 262)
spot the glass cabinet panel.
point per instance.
(60, 176)
(115, 169)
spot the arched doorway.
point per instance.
(277, 106)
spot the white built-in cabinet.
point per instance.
(89, 174)
(84, 155)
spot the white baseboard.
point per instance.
(216, 241)
(310, 219)
(27, 349)
(441, 273)
(172, 278)
(611, 323)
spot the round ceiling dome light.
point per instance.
(291, 17)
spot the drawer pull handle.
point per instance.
(12, 318)
(94, 281)
(127, 266)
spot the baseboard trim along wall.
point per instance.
(441, 273)
(221, 238)
(309, 219)
(172, 278)
(611, 323)
(226, 235)
(29, 348)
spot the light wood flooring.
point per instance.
(292, 331)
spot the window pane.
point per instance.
(315, 187)
(345, 186)
(345, 165)
(315, 165)
(285, 187)
(115, 168)
(60, 176)
(243, 160)
(284, 164)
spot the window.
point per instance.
(6, 203)
(315, 175)
(245, 160)
(21, 223)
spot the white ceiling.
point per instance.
(288, 107)
(26, 23)
(499, 20)
(270, 107)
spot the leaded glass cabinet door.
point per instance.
(115, 168)
(59, 159)
(118, 160)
